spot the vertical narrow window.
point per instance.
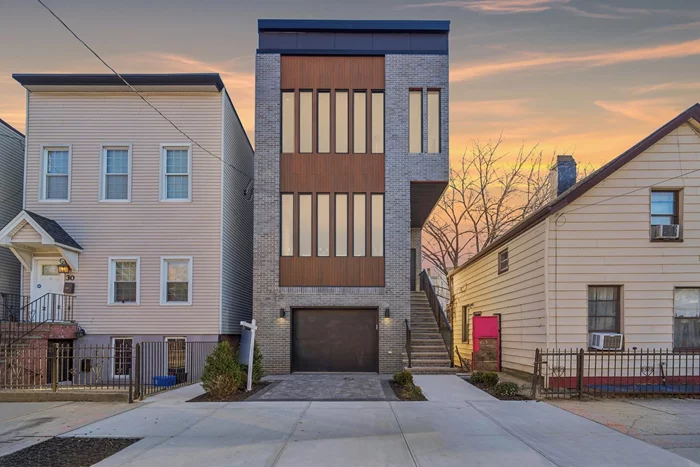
(465, 324)
(305, 121)
(415, 121)
(176, 277)
(305, 225)
(323, 224)
(177, 356)
(287, 212)
(686, 318)
(358, 224)
(115, 173)
(434, 121)
(287, 121)
(359, 122)
(377, 122)
(323, 119)
(341, 224)
(176, 176)
(124, 280)
(121, 348)
(341, 121)
(503, 261)
(56, 170)
(377, 225)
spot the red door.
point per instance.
(486, 355)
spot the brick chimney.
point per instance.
(563, 175)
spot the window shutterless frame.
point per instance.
(287, 121)
(415, 121)
(112, 264)
(305, 116)
(359, 121)
(164, 171)
(434, 123)
(123, 352)
(359, 221)
(341, 230)
(287, 224)
(503, 261)
(164, 280)
(323, 121)
(43, 182)
(594, 312)
(103, 171)
(465, 323)
(342, 121)
(377, 124)
(379, 198)
(303, 242)
(323, 220)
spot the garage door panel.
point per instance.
(335, 340)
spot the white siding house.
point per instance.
(590, 261)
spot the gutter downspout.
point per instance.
(546, 280)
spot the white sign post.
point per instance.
(248, 345)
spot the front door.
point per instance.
(45, 280)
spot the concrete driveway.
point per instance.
(433, 433)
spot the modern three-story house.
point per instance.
(351, 156)
(136, 226)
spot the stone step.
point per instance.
(427, 348)
(423, 362)
(431, 370)
(415, 355)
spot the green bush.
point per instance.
(412, 392)
(403, 378)
(477, 377)
(222, 374)
(506, 389)
(488, 378)
(258, 370)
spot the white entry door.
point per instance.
(45, 279)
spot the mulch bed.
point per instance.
(68, 452)
(516, 397)
(398, 391)
(235, 397)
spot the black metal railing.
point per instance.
(21, 316)
(578, 373)
(408, 343)
(443, 322)
(167, 365)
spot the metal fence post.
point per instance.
(137, 373)
(579, 374)
(54, 369)
(535, 375)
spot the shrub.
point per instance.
(403, 378)
(258, 370)
(412, 392)
(222, 374)
(477, 377)
(488, 378)
(506, 389)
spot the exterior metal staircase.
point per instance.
(21, 318)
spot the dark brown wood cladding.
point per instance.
(350, 271)
(323, 72)
(332, 172)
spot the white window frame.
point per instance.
(164, 280)
(112, 276)
(168, 338)
(44, 161)
(114, 356)
(103, 172)
(163, 184)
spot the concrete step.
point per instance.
(427, 355)
(428, 348)
(422, 362)
(431, 370)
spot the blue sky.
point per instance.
(582, 76)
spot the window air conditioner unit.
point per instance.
(605, 341)
(666, 232)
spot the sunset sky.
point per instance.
(576, 76)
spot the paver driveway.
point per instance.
(325, 387)
(433, 433)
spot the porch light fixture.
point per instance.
(63, 267)
(283, 313)
(386, 313)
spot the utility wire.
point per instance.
(146, 100)
(11, 196)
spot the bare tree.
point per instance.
(488, 193)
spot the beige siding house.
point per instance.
(154, 223)
(601, 257)
(11, 182)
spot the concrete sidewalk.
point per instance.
(449, 388)
(433, 433)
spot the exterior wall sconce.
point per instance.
(283, 313)
(63, 267)
(386, 313)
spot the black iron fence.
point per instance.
(564, 373)
(21, 315)
(141, 370)
(442, 320)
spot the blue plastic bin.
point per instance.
(164, 381)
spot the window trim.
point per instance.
(294, 111)
(356, 92)
(112, 260)
(677, 212)
(281, 225)
(618, 311)
(103, 172)
(168, 338)
(465, 323)
(354, 254)
(45, 148)
(673, 327)
(311, 229)
(318, 120)
(299, 93)
(163, 184)
(317, 224)
(347, 224)
(371, 225)
(439, 120)
(422, 147)
(164, 280)
(334, 114)
(114, 355)
(372, 92)
(501, 269)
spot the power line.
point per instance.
(146, 100)
(11, 196)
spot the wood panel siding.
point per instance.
(519, 295)
(144, 227)
(608, 244)
(11, 182)
(350, 271)
(325, 72)
(332, 172)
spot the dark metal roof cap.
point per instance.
(334, 25)
(177, 79)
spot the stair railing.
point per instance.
(443, 322)
(20, 321)
(408, 342)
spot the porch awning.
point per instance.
(29, 232)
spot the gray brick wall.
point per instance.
(402, 72)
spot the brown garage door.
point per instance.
(335, 339)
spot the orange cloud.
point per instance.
(491, 108)
(496, 6)
(654, 111)
(670, 86)
(471, 71)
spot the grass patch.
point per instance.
(237, 396)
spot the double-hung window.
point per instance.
(55, 184)
(176, 281)
(121, 351)
(176, 183)
(116, 173)
(503, 261)
(124, 280)
(604, 308)
(686, 318)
